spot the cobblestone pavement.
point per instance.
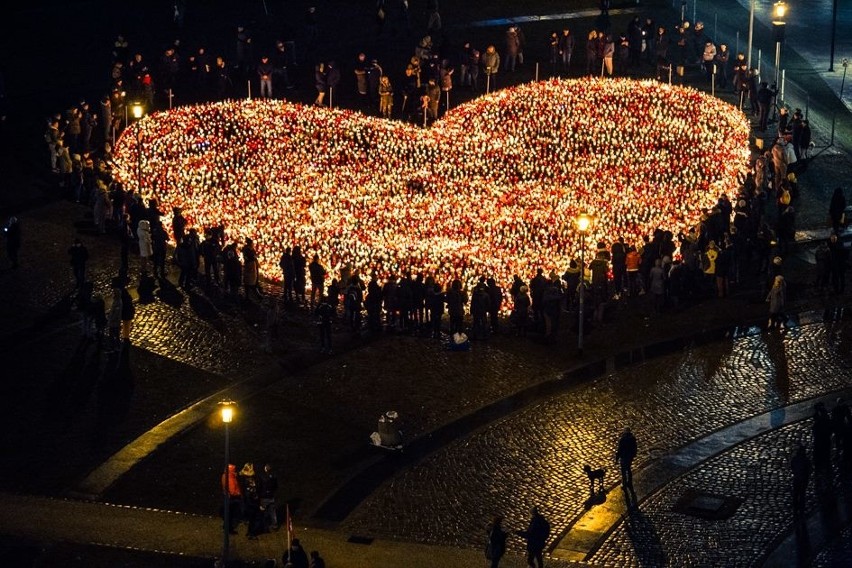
(837, 553)
(313, 424)
(535, 456)
(758, 473)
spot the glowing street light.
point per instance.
(583, 223)
(137, 110)
(226, 410)
(779, 11)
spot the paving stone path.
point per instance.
(535, 456)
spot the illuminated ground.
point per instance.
(491, 189)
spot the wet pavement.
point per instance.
(535, 457)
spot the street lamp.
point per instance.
(779, 10)
(750, 31)
(833, 35)
(583, 222)
(226, 409)
(139, 137)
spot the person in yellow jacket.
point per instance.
(709, 263)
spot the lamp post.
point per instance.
(845, 63)
(139, 137)
(833, 35)
(138, 111)
(750, 31)
(226, 409)
(779, 11)
(583, 222)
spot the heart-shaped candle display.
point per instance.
(492, 189)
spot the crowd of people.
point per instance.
(491, 191)
(251, 500)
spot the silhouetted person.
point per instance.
(624, 456)
(822, 436)
(801, 466)
(325, 315)
(316, 560)
(79, 256)
(536, 536)
(495, 546)
(296, 555)
(836, 209)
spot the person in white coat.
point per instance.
(146, 249)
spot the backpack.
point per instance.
(351, 298)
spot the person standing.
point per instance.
(624, 456)
(299, 265)
(836, 210)
(79, 256)
(288, 274)
(566, 49)
(385, 97)
(295, 556)
(251, 499)
(224, 84)
(325, 314)
(268, 482)
(146, 247)
(536, 536)
(491, 64)
(265, 69)
(513, 45)
(251, 274)
(316, 560)
(317, 273)
(353, 302)
(801, 467)
(776, 299)
(495, 545)
(838, 256)
(721, 60)
(765, 96)
(114, 319)
(233, 491)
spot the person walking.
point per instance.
(776, 298)
(128, 310)
(79, 256)
(536, 536)
(801, 467)
(624, 456)
(495, 545)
